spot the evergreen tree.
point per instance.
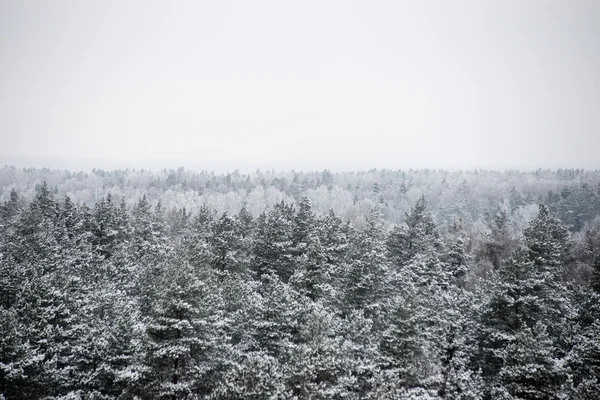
(456, 345)
(245, 223)
(9, 214)
(108, 228)
(457, 262)
(499, 243)
(583, 359)
(312, 277)
(548, 242)
(367, 275)
(520, 312)
(148, 230)
(529, 370)
(595, 281)
(418, 236)
(181, 332)
(402, 343)
(335, 238)
(302, 227)
(549, 248)
(273, 244)
(197, 240)
(225, 245)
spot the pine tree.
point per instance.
(148, 230)
(402, 343)
(312, 277)
(523, 310)
(197, 239)
(549, 248)
(107, 227)
(273, 244)
(335, 237)
(18, 356)
(182, 332)
(439, 308)
(35, 306)
(9, 214)
(595, 281)
(583, 359)
(266, 343)
(104, 313)
(586, 359)
(245, 223)
(302, 226)
(498, 244)
(457, 262)
(324, 364)
(279, 315)
(418, 236)
(35, 234)
(529, 370)
(225, 244)
(367, 275)
(455, 345)
(548, 242)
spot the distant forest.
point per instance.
(473, 197)
(415, 284)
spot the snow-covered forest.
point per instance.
(416, 284)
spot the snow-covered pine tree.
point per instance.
(548, 242)
(419, 235)
(518, 313)
(225, 245)
(499, 243)
(303, 225)
(273, 242)
(182, 332)
(366, 279)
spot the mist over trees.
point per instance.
(419, 284)
(471, 196)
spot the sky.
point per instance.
(305, 84)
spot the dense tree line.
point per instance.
(469, 197)
(137, 300)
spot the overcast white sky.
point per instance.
(305, 84)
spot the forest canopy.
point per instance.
(416, 284)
